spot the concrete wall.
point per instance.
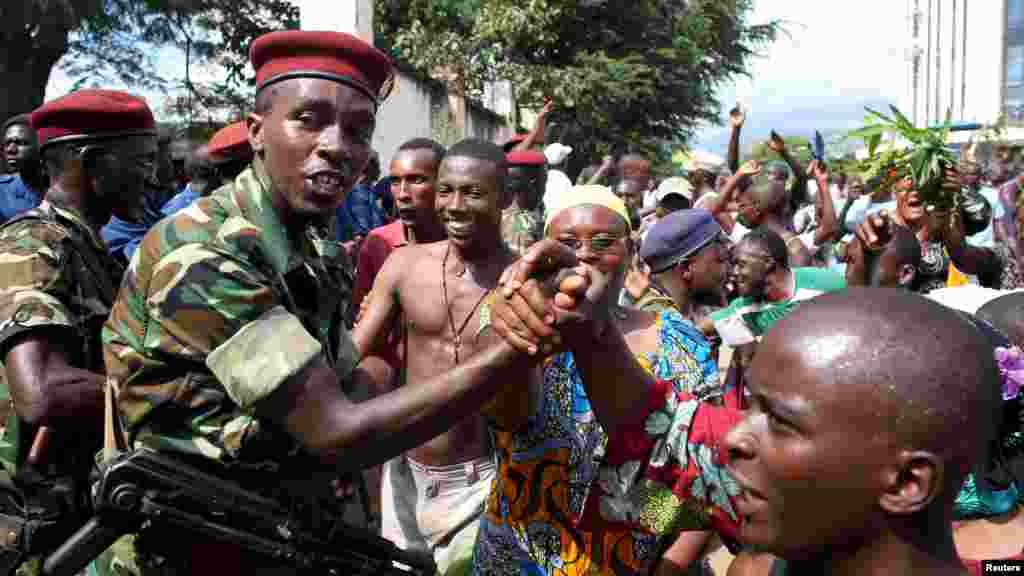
(406, 114)
(416, 108)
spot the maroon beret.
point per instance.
(92, 114)
(333, 56)
(525, 158)
(231, 141)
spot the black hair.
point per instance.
(770, 242)
(479, 149)
(265, 100)
(372, 170)
(674, 201)
(19, 120)
(483, 150)
(198, 165)
(436, 148)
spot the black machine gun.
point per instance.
(146, 486)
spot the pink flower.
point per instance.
(1011, 369)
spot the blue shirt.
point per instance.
(180, 201)
(122, 237)
(361, 212)
(15, 197)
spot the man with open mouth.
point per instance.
(868, 407)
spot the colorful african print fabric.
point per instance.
(218, 308)
(521, 228)
(570, 500)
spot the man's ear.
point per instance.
(255, 124)
(912, 484)
(907, 275)
(685, 270)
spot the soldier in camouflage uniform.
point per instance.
(57, 284)
(226, 344)
(522, 223)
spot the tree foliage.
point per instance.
(623, 73)
(116, 41)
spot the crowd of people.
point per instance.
(816, 371)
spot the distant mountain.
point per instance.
(836, 118)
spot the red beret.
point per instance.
(92, 114)
(231, 141)
(334, 56)
(525, 158)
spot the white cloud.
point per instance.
(836, 54)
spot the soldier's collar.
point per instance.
(75, 218)
(252, 196)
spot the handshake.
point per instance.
(548, 297)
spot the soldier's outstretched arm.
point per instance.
(355, 436)
(204, 305)
(45, 388)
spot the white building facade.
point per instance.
(965, 58)
(417, 107)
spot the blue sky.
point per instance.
(837, 56)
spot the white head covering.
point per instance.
(675, 185)
(557, 153)
(968, 298)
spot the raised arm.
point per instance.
(606, 166)
(828, 225)
(537, 134)
(736, 119)
(719, 208)
(799, 189)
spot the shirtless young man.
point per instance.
(437, 493)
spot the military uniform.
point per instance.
(55, 273)
(217, 310)
(520, 228)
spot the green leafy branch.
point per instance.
(924, 159)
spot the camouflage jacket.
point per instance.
(520, 228)
(219, 306)
(55, 272)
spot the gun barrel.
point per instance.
(82, 547)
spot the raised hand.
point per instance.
(750, 168)
(874, 232)
(817, 170)
(737, 117)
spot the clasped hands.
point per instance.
(548, 298)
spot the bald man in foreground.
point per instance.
(868, 407)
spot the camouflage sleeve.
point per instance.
(215, 308)
(33, 286)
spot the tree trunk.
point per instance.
(24, 81)
(34, 36)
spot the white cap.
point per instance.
(557, 153)
(675, 185)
